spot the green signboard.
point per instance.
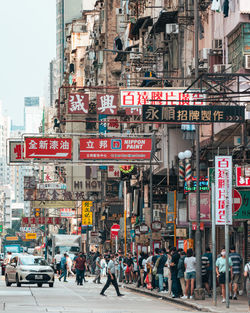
(243, 212)
(1, 228)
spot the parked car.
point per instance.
(28, 269)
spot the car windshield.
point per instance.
(29, 260)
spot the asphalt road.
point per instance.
(70, 298)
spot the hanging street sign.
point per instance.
(51, 186)
(16, 152)
(48, 148)
(159, 96)
(193, 114)
(52, 195)
(223, 190)
(30, 236)
(115, 148)
(107, 104)
(243, 176)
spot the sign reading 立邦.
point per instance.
(223, 190)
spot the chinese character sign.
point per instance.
(48, 148)
(87, 215)
(107, 104)
(78, 103)
(113, 171)
(16, 151)
(243, 176)
(223, 190)
(167, 96)
(193, 114)
(115, 148)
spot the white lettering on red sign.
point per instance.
(223, 189)
(139, 97)
(48, 148)
(243, 176)
(78, 103)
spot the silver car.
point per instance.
(29, 269)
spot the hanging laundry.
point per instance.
(226, 8)
(216, 6)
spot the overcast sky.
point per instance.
(28, 43)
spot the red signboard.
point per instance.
(243, 176)
(107, 104)
(27, 221)
(48, 148)
(78, 103)
(204, 206)
(115, 148)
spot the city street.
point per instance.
(67, 297)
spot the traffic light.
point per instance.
(102, 236)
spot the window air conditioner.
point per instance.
(247, 61)
(222, 68)
(172, 28)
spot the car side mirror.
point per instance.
(13, 264)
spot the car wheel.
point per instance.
(39, 285)
(17, 281)
(51, 285)
(8, 284)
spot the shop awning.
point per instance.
(164, 18)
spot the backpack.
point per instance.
(156, 266)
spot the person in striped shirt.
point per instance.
(236, 268)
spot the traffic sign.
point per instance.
(115, 230)
(237, 201)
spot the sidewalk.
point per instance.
(240, 305)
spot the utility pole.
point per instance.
(197, 139)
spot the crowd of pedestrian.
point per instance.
(169, 271)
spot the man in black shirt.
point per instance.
(161, 263)
(129, 269)
(176, 290)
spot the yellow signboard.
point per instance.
(87, 218)
(86, 206)
(30, 236)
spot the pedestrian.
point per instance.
(129, 269)
(181, 271)
(64, 268)
(168, 271)
(57, 262)
(221, 272)
(154, 267)
(69, 266)
(135, 269)
(80, 266)
(176, 287)
(190, 266)
(111, 279)
(209, 255)
(103, 264)
(236, 272)
(247, 275)
(140, 281)
(98, 269)
(120, 265)
(205, 264)
(162, 260)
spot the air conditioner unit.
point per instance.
(203, 54)
(222, 68)
(217, 44)
(135, 55)
(172, 29)
(119, 11)
(156, 215)
(247, 61)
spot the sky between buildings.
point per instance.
(28, 43)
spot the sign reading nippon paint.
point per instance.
(161, 96)
(223, 190)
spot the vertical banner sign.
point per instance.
(87, 215)
(223, 189)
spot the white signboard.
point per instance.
(113, 171)
(159, 96)
(223, 190)
(51, 186)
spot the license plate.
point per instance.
(38, 276)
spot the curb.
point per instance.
(173, 300)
